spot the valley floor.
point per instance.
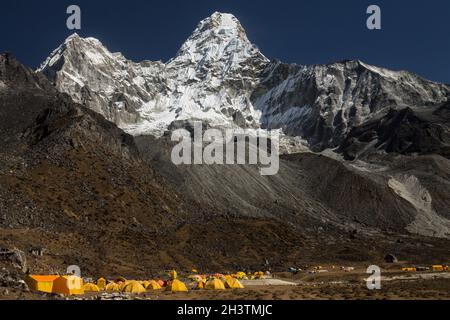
(397, 290)
(330, 286)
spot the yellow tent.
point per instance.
(101, 283)
(68, 285)
(173, 274)
(112, 286)
(122, 285)
(41, 283)
(233, 284)
(215, 284)
(145, 284)
(153, 285)
(437, 268)
(176, 286)
(241, 275)
(134, 287)
(201, 284)
(90, 287)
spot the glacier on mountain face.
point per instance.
(219, 77)
(209, 79)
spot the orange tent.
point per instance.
(68, 285)
(161, 283)
(41, 283)
(197, 278)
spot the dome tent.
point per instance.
(133, 287)
(233, 283)
(153, 285)
(215, 284)
(201, 284)
(90, 287)
(101, 283)
(176, 286)
(112, 286)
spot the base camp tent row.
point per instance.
(68, 285)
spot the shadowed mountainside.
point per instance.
(77, 185)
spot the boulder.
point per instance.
(14, 257)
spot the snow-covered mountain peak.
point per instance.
(89, 49)
(73, 36)
(218, 76)
(210, 78)
(219, 39)
(221, 21)
(220, 25)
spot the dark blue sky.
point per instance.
(415, 35)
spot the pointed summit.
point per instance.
(218, 40)
(209, 79)
(73, 36)
(221, 22)
(79, 49)
(221, 78)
